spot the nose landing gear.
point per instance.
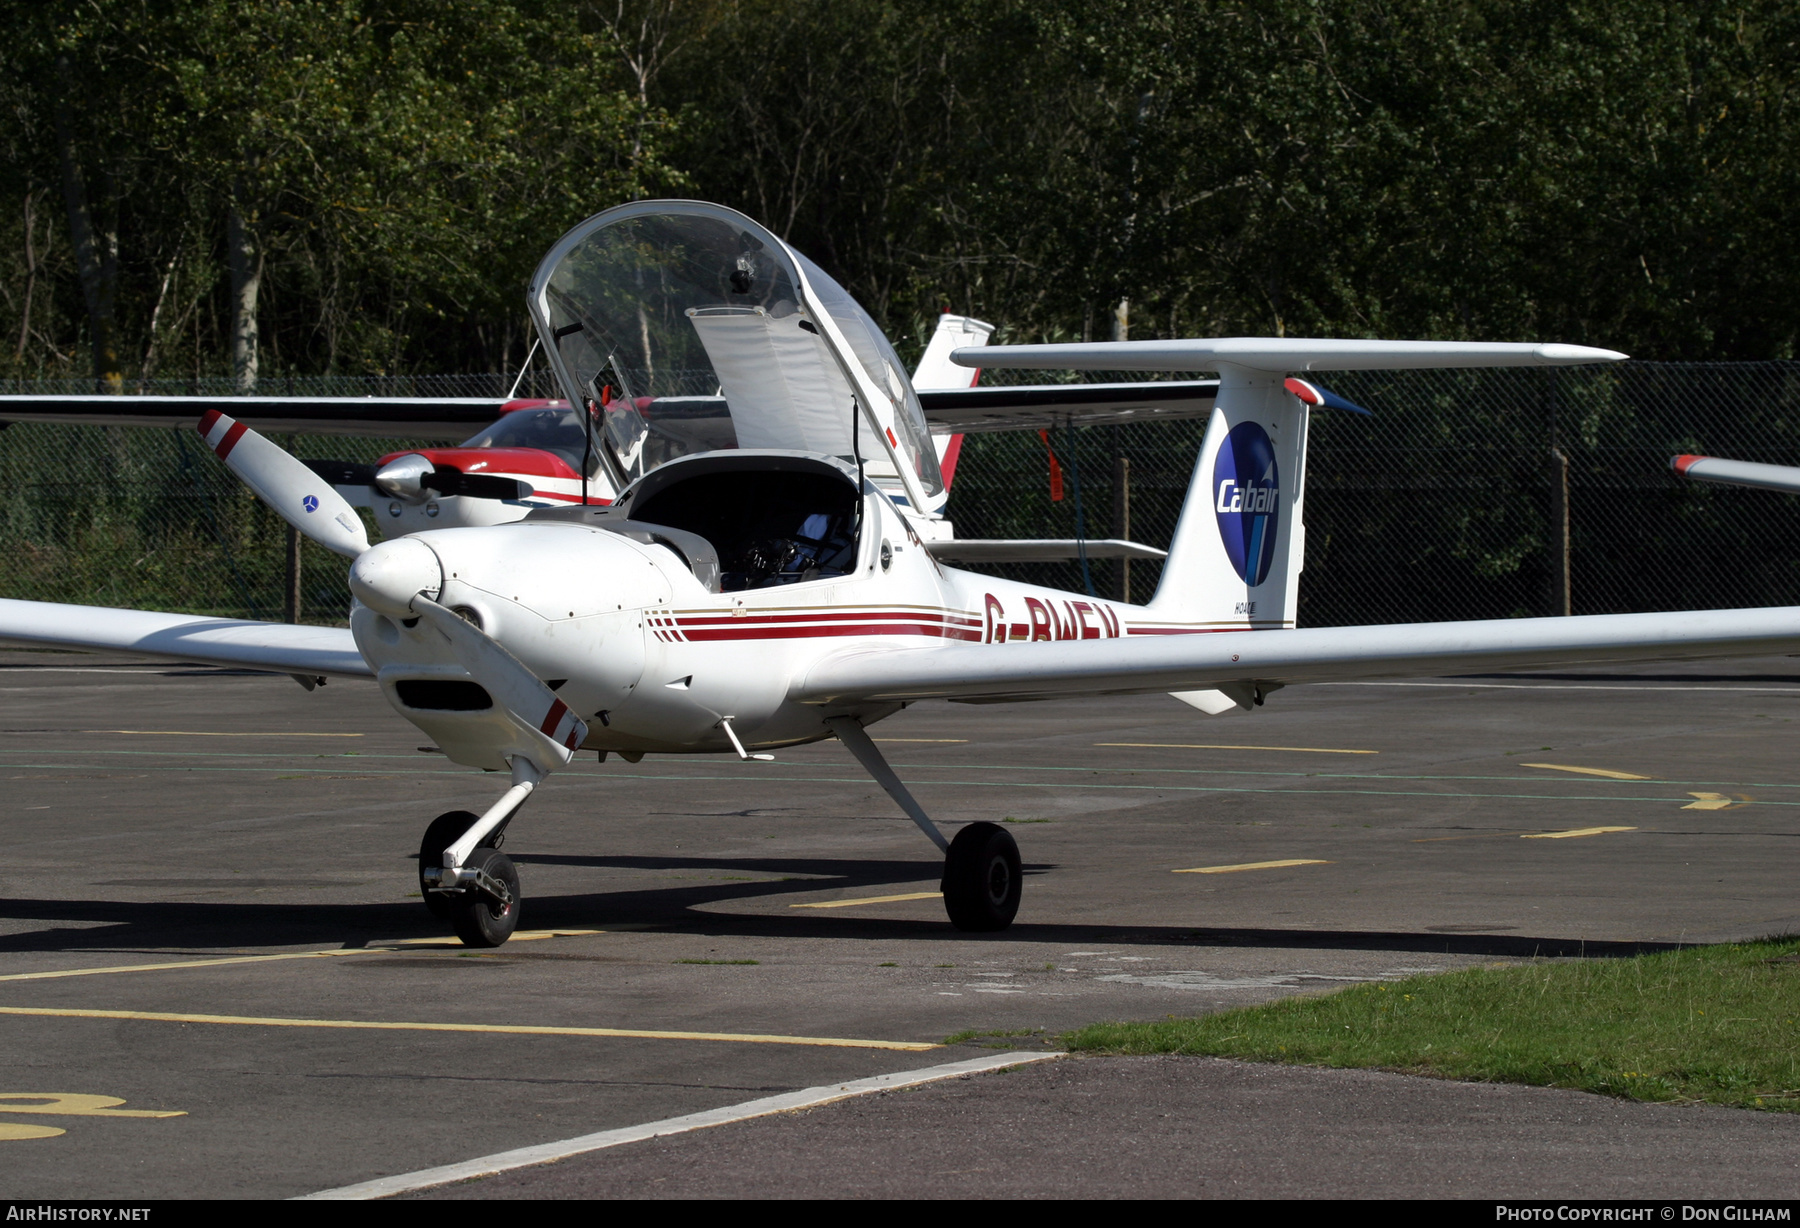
(464, 877)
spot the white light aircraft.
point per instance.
(765, 578)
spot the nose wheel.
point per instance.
(464, 878)
(982, 878)
(486, 913)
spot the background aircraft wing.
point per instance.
(450, 418)
(306, 652)
(1238, 660)
(1033, 407)
(949, 411)
(1737, 473)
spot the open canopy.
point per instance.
(653, 311)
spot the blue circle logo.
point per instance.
(1247, 500)
(310, 503)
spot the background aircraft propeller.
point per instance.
(297, 494)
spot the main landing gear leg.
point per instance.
(982, 874)
(474, 885)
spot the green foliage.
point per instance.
(1705, 1023)
(1615, 172)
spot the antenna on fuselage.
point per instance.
(526, 366)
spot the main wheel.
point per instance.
(481, 920)
(982, 878)
(439, 836)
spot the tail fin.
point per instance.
(936, 371)
(1240, 543)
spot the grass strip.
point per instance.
(1715, 1024)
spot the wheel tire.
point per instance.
(439, 836)
(479, 921)
(982, 878)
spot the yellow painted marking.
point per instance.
(195, 733)
(1486, 835)
(506, 1029)
(518, 936)
(388, 948)
(76, 1104)
(1254, 865)
(1573, 835)
(1310, 750)
(1606, 772)
(10, 1131)
(186, 963)
(875, 899)
(1708, 801)
(918, 739)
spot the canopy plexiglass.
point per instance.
(687, 327)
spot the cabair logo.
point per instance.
(310, 503)
(1247, 498)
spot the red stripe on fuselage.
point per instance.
(836, 629)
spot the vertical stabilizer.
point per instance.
(1239, 546)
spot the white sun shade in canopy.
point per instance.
(653, 310)
(782, 385)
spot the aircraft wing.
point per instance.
(996, 673)
(1032, 407)
(1737, 473)
(306, 652)
(450, 418)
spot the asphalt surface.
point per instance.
(162, 815)
(1172, 1127)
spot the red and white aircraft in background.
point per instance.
(764, 575)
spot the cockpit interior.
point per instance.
(769, 527)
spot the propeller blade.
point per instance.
(297, 494)
(548, 725)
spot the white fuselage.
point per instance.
(653, 662)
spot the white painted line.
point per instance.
(549, 1153)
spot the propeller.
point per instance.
(297, 494)
(551, 732)
(394, 578)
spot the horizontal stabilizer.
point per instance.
(232, 642)
(1038, 550)
(453, 418)
(1737, 473)
(1278, 354)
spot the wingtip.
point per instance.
(1681, 464)
(1571, 355)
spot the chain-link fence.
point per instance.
(1443, 505)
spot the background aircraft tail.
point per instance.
(937, 373)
